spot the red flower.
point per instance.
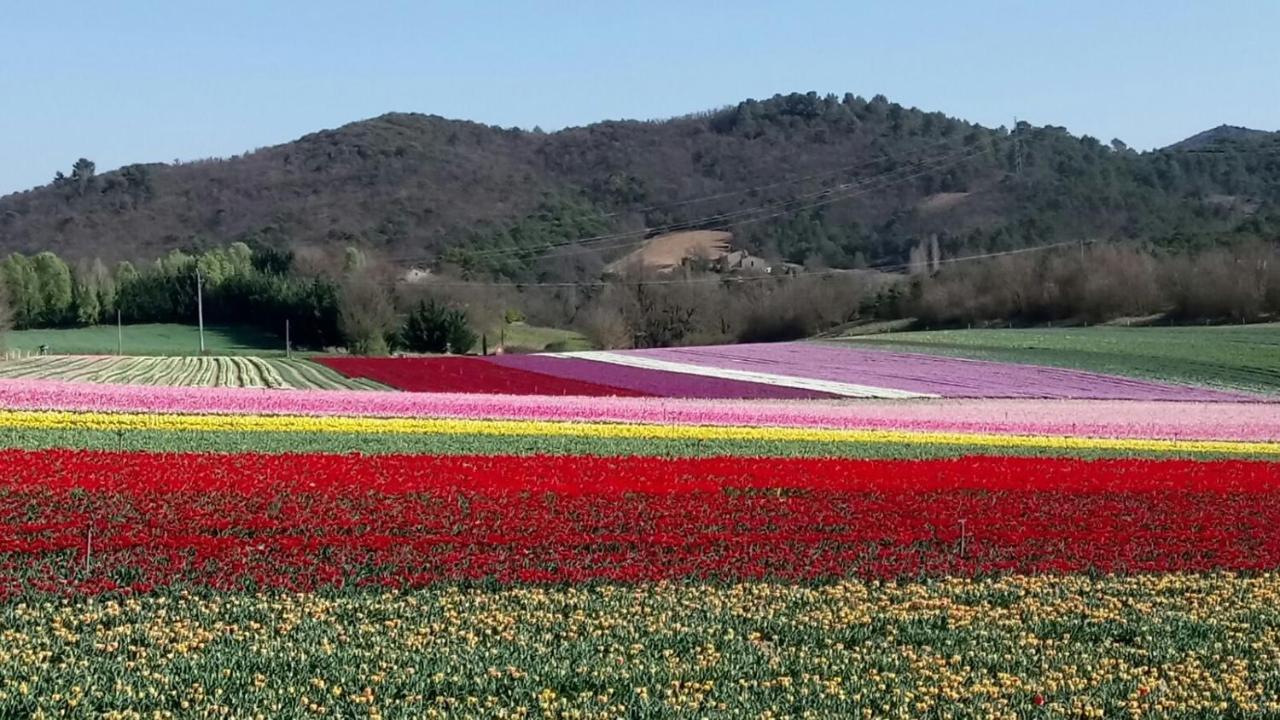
(97, 521)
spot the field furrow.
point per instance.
(183, 372)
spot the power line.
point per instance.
(699, 223)
(831, 200)
(937, 163)
(770, 186)
(825, 196)
(748, 278)
(823, 201)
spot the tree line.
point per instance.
(1080, 284)
(348, 304)
(349, 301)
(1094, 284)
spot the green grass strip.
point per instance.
(291, 376)
(1242, 358)
(268, 442)
(325, 378)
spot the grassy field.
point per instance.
(531, 338)
(230, 371)
(1245, 357)
(173, 339)
(156, 339)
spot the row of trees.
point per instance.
(1096, 284)
(239, 285)
(1080, 284)
(355, 304)
(42, 292)
(371, 323)
(350, 304)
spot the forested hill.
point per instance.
(836, 181)
(1223, 136)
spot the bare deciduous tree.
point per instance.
(366, 316)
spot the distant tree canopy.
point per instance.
(509, 252)
(82, 179)
(1095, 284)
(240, 285)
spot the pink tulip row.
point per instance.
(1093, 418)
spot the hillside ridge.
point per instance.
(1220, 134)
(845, 182)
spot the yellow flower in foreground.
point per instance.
(1010, 647)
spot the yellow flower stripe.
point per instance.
(665, 650)
(62, 420)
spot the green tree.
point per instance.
(53, 278)
(175, 263)
(6, 315)
(125, 273)
(272, 261)
(105, 285)
(23, 290)
(353, 260)
(216, 265)
(433, 327)
(424, 328)
(82, 176)
(86, 306)
(241, 258)
(459, 335)
(137, 182)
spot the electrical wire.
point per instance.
(642, 235)
(751, 278)
(826, 198)
(769, 186)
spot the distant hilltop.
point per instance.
(840, 182)
(1221, 134)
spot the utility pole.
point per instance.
(200, 307)
(119, 334)
(288, 346)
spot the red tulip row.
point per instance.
(80, 520)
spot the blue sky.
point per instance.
(128, 80)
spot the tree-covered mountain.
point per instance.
(819, 180)
(1214, 138)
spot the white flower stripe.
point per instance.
(827, 386)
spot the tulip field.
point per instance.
(227, 371)
(1240, 357)
(766, 531)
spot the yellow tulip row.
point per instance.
(123, 422)
(1014, 647)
